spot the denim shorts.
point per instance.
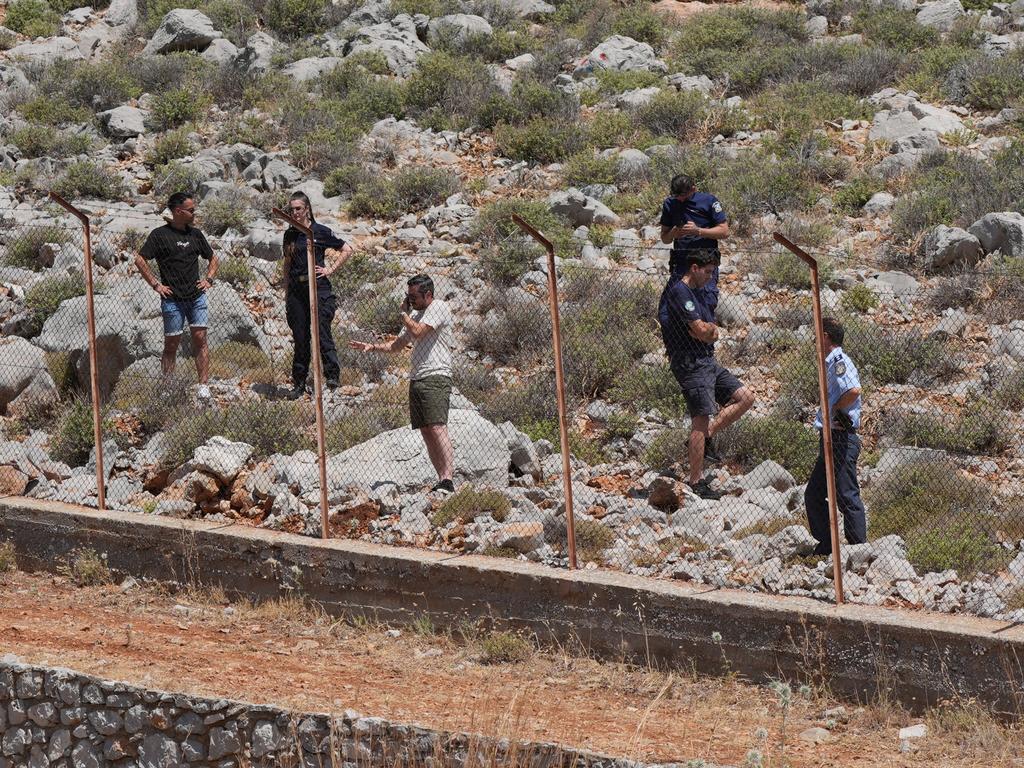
(706, 384)
(176, 313)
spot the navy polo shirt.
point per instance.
(680, 305)
(704, 210)
(323, 238)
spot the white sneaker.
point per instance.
(203, 393)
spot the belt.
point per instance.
(841, 431)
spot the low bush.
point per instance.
(225, 209)
(858, 298)
(378, 314)
(643, 23)
(592, 539)
(470, 502)
(270, 427)
(23, 250)
(61, 367)
(169, 146)
(100, 85)
(505, 262)
(894, 357)
(614, 81)
(410, 190)
(86, 178)
(86, 568)
(360, 270)
(52, 110)
(235, 271)
(894, 29)
(942, 514)
(980, 429)
(43, 298)
(643, 387)
(521, 334)
(175, 177)
(32, 18)
(475, 381)
(233, 359)
(582, 447)
(294, 19)
(539, 141)
(347, 180)
(447, 91)
(254, 131)
(44, 141)
(786, 270)
(157, 401)
(8, 558)
(72, 439)
(988, 82)
(852, 196)
(387, 409)
(505, 648)
(588, 167)
(173, 107)
(667, 449)
(684, 115)
(528, 402)
(752, 440)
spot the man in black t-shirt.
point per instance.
(176, 248)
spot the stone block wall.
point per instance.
(57, 718)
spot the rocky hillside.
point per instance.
(882, 136)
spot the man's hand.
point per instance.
(404, 308)
(164, 290)
(843, 419)
(689, 229)
(362, 346)
(204, 285)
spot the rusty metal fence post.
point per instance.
(318, 375)
(826, 415)
(563, 425)
(90, 314)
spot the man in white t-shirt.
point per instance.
(428, 327)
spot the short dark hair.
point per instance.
(175, 200)
(422, 283)
(700, 259)
(681, 184)
(834, 329)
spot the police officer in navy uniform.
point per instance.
(844, 405)
(297, 310)
(693, 221)
(689, 330)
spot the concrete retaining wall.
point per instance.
(52, 718)
(856, 650)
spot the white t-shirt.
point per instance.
(432, 353)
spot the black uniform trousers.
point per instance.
(300, 321)
(845, 452)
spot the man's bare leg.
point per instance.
(439, 449)
(202, 353)
(170, 354)
(741, 402)
(698, 430)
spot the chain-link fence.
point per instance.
(938, 466)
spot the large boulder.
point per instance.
(123, 122)
(24, 371)
(220, 52)
(580, 209)
(305, 70)
(944, 246)
(890, 125)
(458, 27)
(1002, 232)
(396, 40)
(936, 119)
(257, 56)
(222, 458)
(528, 9)
(399, 457)
(623, 54)
(122, 13)
(182, 30)
(941, 15)
(47, 51)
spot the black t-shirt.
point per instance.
(295, 245)
(177, 256)
(680, 305)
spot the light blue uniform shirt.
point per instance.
(842, 377)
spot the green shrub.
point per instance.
(410, 190)
(475, 381)
(60, 366)
(347, 179)
(505, 262)
(894, 357)
(270, 427)
(50, 110)
(236, 272)
(100, 85)
(680, 114)
(86, 178)
(172, 145)
(761, 182)
(642, 23)
(668, 448)
(361, 269)
(610, 129)
(581, 446)
(43, 298)
(373, 418)
(643, 387)
(507, 252)
(941, 513)
(540, 140)
(895, 29)
(859, 298)
(86, 568)
(448, 92)
(24, 249)
(592, 538)
(237, 19)
(226, 209)
(520, 337)
(175, 177)
(797, 109)
(234, 359)
(505, 648)
(469, 502)
(990, 82)
(44, 141)
(378, 314)
(294, 19)
(72, 439)
(32, 18)
(178, 105)
(752, 440)
(787, 270)
(528, 100)
(979, 429)
(852, 196)
(325, 148)
(528, 402)
(157, 401)
(254, 131)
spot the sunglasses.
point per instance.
(297, 208)
(187, 210)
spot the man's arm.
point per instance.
(147, 274)
(414, 328)
(399, 343)
(211, 272)
(689, 229)
(848, 398)
(703, 331)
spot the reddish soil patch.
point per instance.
(292, 656)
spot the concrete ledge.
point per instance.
(919, 658)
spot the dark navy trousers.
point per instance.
(300, 321)
(845, 452)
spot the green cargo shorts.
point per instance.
(428, 401)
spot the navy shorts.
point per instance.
(706, 385)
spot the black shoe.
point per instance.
(705, 491)
(444, 485)
(296, 392)
(710, 454)
(332, 383)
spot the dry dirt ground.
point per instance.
(290, 654)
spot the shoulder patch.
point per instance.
(717, 206)
(690, 306)
(840, 368)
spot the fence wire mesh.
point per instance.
(939, 465)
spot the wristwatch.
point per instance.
(209, 279)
